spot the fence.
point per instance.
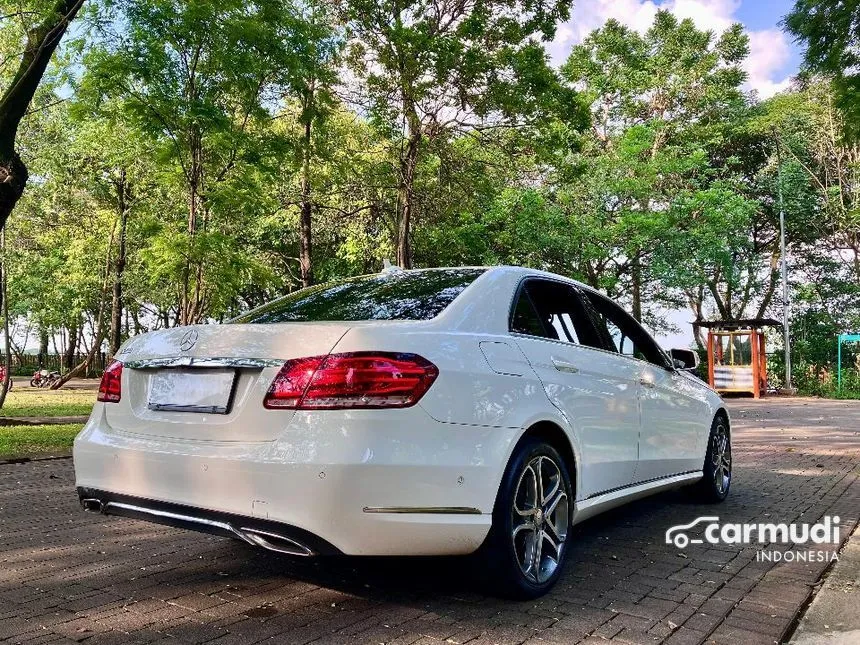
(26, 364)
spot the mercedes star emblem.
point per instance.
(188, 340)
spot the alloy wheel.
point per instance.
(541, 516)
(721, 458)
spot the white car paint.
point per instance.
(420, 480)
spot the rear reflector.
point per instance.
(110, 389)
(354, 380)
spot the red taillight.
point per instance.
(354, 380)
(110, 389)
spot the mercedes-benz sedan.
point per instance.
(425, 412)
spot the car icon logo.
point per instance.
(188, 340)
(676, 534)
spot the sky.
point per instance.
(773, 58)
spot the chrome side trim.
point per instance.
(435, 510)
(594, 505)
(214, 361)
(643, 483)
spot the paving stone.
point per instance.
(68, 576)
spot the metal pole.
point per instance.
(784, 269)
(839, 363)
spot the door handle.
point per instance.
(564, 366)
(646, 382)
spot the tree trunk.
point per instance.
(43, 345)
(696, 300)
(406, 189)
(71, 348)
(636, 278)
(771, 285)
(307, 207)
(135, 319)
(119, 266)
(4, 292)
(13, 178)
(40, 46)
(187, 304)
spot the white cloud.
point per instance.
(769, 48)
(769, 52)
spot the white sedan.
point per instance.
(424, 412)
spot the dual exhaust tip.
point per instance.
(268, 540)
(91, 504)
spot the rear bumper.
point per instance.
(392, 482)
(274, 536)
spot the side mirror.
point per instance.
(684, 359)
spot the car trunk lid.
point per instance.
(207, 382)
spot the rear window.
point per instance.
(397, 295)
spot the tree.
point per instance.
(820, 170)
(115, 165)
(4, 311)
(42, 40)
(313, 83)
(830, 29)
(196, 77)
(662, 103)
(429, 68)
(347, 185)
(97, 180)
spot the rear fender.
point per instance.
(554, 416)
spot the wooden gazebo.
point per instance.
(736, 354)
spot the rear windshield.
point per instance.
(398, 295)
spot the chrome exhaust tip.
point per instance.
(92, 504)
(275, 542)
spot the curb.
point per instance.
(41, 421)
(26, 460)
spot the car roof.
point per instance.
(513, 270)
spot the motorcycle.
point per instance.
(44, 378)
(3, 376)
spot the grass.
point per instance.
(30, 441)
(23, 401)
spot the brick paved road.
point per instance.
(68, 576)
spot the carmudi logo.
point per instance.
(709, 530)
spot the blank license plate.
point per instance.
(192, 390)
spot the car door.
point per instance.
(596, 395)
(671, 408)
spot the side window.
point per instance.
(623, 334)
(623, 344)
(525, 319)
(552, 310)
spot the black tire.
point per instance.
(714, 487)
(34, 383)
(508, 554)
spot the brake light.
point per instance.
(110, 389)
(353, 380)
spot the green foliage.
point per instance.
(194, 79)
(427, 134)
(830, 29)
(650, 201)
(453, 57)
(428, 72)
